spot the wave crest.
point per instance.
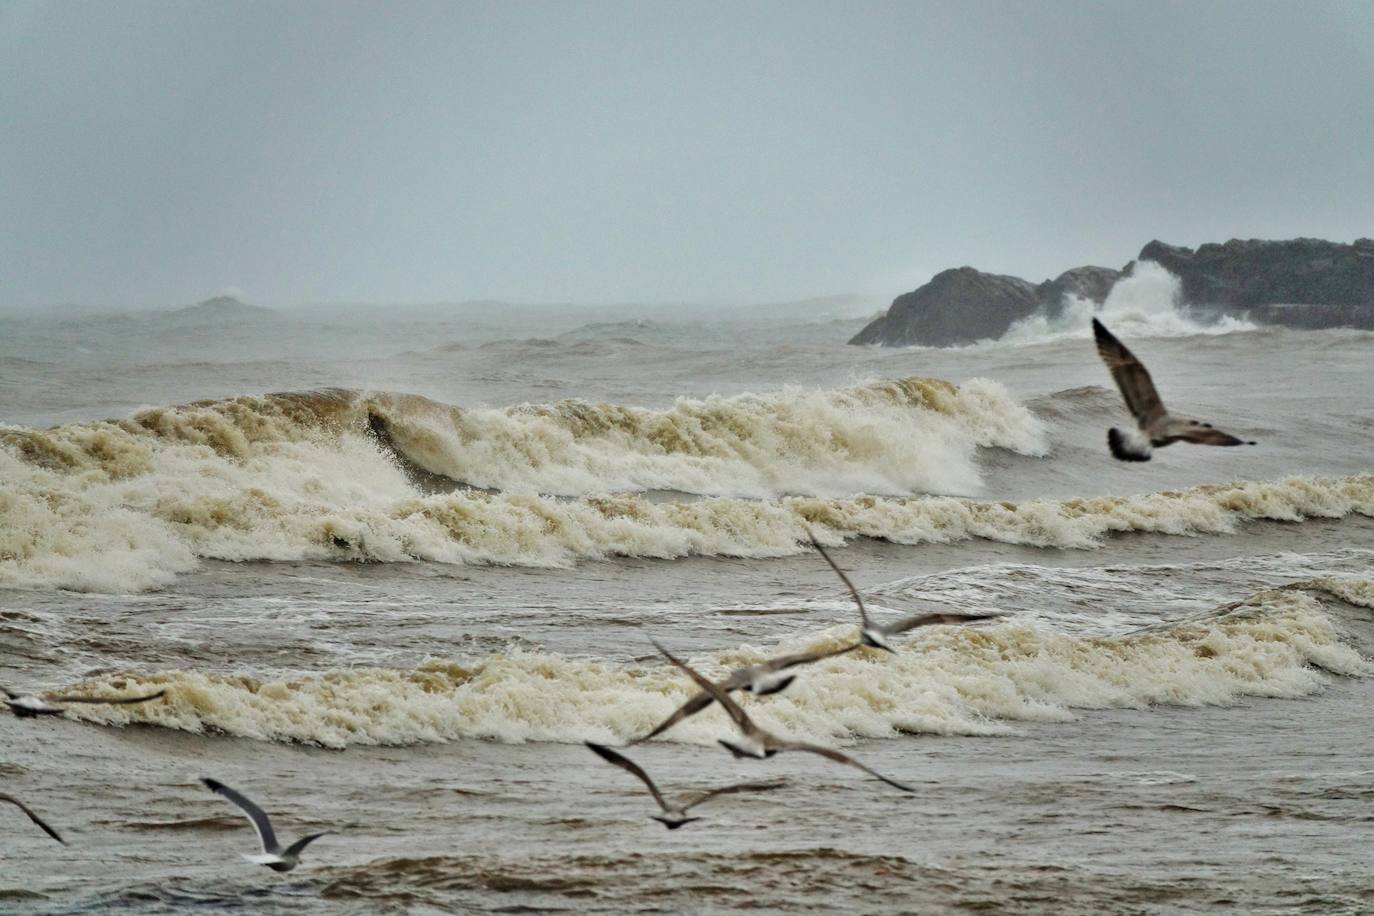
(346, 500)
(897, 436)
(969, 681)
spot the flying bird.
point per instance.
(760, 743)
(33, 817)
(27, 705)
(675, 815)
(875, 635)
(1156, 426)
(762, 679)
(273, 856)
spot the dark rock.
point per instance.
(957, 306)
(1276, 282)
(1313, 317)
(1092, 283)
(1300, 283)
(964, 305)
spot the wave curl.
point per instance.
(967, 681)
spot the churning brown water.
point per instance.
(392, 599)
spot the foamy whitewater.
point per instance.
(392, 568)
(1147, 302)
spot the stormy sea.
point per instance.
(393, 566)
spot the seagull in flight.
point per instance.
(273, 856)
(1156, 426)
(760, 743)
(675, 815)
(761, 679)
(27, 705)
(33, 817)
(875, 635)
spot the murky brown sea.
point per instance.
(1173, 716)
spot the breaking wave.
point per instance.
(127, 505)
(96, 530)
(1148, 302)
(891, 437)
(894, 437)
(950, 680)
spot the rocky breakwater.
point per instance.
(1299, 283)
(964, 305)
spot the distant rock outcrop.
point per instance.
(957, 306)
(221, 307)
(219, 312)
(1305, 283)
(1301, 283)
(964, 305)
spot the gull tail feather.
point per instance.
(1128, 445)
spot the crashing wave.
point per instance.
(966, 681)
(128, 505)
(898, 436)
(1145, 303)
(98, 532)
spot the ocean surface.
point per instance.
(393, 566)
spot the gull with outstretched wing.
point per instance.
(760, 743)
(764, 678)
(675, 813)
(875, 635)
(273, 856)
(27, 705)
(1155, 426)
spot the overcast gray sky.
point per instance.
(155, 153)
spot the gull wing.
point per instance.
(1210, 436)
(1131, 377)
(255, 814)
(863, 611)
(116, 700)
(925, 620)
(294, 850)
(783, 662)
(737, 679)
(720, 696)
(694, 800)
(838, 757)
(695, 704)
(33, 817)
(629, 766)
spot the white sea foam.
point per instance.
(971, 681)
(97, 529)
(895, 437)
(1089, 600)
(1350, 589)
(1146, 303)
(127, 506)
(891, 437)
